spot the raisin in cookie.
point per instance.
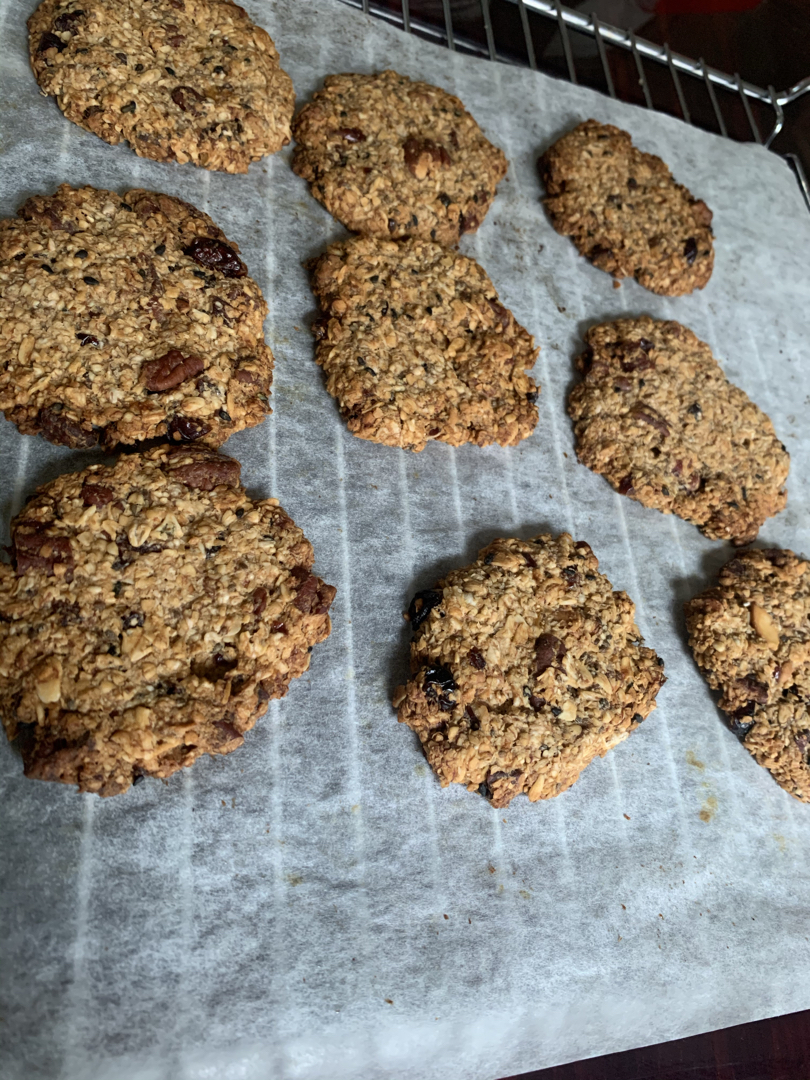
(750, 635)
(125, 318)
(625, 212)
(526, 666)
(656, 416)
(390, 157)
(150, 612)
(180, 80)
(416, 346)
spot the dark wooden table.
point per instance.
(768, 45)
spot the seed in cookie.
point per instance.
(390, 157)
(656, 416)
(749, 635)
(526, 668)
(150, 612)
(415, 345)
(145, 324)
(625, 212)
(180, 80)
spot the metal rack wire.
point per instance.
(769, 102)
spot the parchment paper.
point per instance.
(314, 906)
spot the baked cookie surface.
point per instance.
(180, 80)
(150, 612)
(526, 666)
(624, 211)
(127, 317)
(390, 157)
(415, 346)
(655, 415)
(750, 636)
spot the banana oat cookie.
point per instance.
(750, 635)
(390, 157)
(625, 212)
(526, 666)
(416, 346)
(180, 80)
(150, 612)
(127, 317)
(656, 416)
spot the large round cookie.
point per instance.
(150, 612)
(624, 211)
(127, 317)
(180, 80)
(656, 416)
(416, 346)
(750, 635)
(526, 666)
(391, 157)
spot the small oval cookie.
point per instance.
(624, 211)
(180, 80)
(749, 635)
(151, 611)
(655, 415)
(526, 666)
(415, 345)
(390, 157)
(123, 318)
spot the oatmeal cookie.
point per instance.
(656, 416)
(390, 157)
(625, 212)
(127, 317)
(150, 612)
(416, 346)
(750, 635)
(526, 666)
(180, 80)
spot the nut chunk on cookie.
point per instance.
(390, 157)
(180, 80)
(625, 212)
(150, 612)
(415, 346)
(526, 666)
(750, 636)
(656, 416)
(123, 318)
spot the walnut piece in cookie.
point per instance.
(624, 211)
(655, 415)
(750, 636)
(180, 80)
(526, 665)
(415, 345)
(123, 318)
(151, 611)
(390, 157)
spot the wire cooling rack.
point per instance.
(544, 35)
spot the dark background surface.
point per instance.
(768, 44)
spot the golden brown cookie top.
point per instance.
(750, 635)
(125, 317)
(415, 345)
(391, 157)
(655, 415)
(180, 80)
(625, 212)
(150, 612)
(526, 665)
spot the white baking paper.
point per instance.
(314, 906)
